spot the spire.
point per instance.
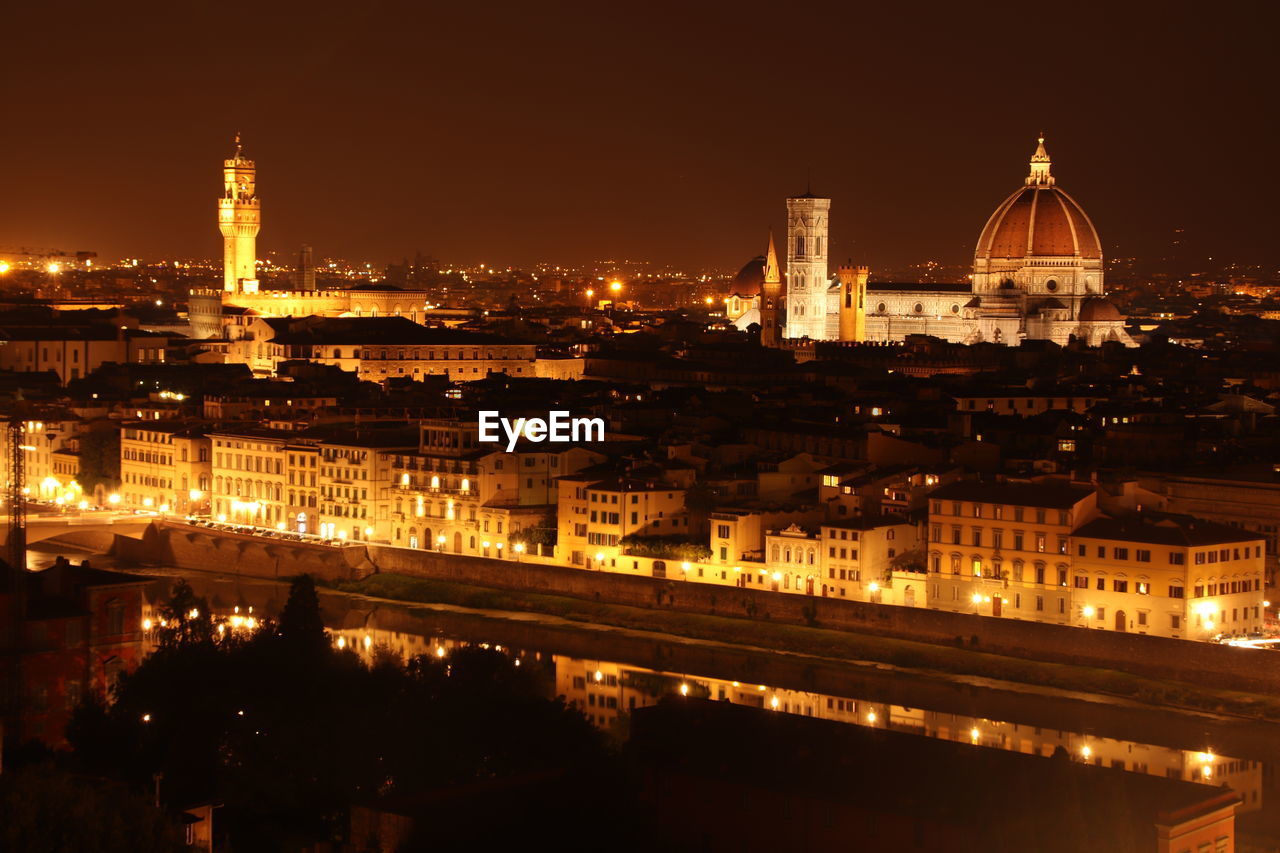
(771, 273)
(1040, 176)
(239, 148)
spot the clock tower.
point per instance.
(239, 220)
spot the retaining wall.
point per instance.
(1208, 664)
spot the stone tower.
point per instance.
(304, 275)
(807, 222)
(239, 220)
(853, 302)
(771, 300)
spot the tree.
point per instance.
(184, 618)
(300, 624)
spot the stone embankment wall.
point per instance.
(1206, 664)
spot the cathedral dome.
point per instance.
(1039, 220)
(750, 278)
(1095, 309)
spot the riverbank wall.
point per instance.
(1207, 664)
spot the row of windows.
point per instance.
(129, 455)
(1227, 587)
(246, 488)
(447, 371)
(997, 512)
(246, 462)
(345, 510)
(977, 536)
(417, 355)
(141, 480)
(613, 499)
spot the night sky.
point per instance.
(522, 132)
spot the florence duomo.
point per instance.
(1038, 274)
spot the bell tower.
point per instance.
(853, 302)
(807, 222)
(239, 220)
(771, 299)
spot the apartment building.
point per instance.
(859, 559)
(75, 351)
(738, 533)
(1247, 498)
(302, 486)
(1003, 549)
(1171, 576)
(165, 466)
(1043, 551)
(49, 441)
(594, 516)
(866, 559)
(249, 479)
(355, 481)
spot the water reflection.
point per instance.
(607, 691)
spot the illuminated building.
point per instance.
(771, 300)
(808, 219)
(75, 351)
(1003, 549)
(595, 514)
(1169, 576)
(239, 220)
(1037, 275)
(455, 495)
(1042, 551)
(214, 314)
(249, 476)
(165, 467)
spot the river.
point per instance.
(608, 672)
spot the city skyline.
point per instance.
(575, 144)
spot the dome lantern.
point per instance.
(1040, 175)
